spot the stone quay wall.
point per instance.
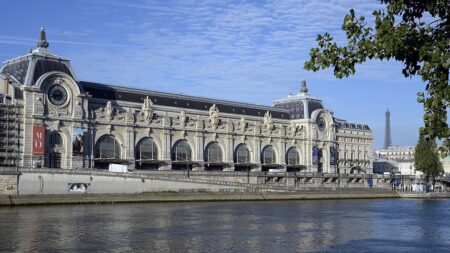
(57, 181)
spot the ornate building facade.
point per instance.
(63, 122)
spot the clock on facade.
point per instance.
(57, 95)
(321, 124)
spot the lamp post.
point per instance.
(187, 167)
(248, 167)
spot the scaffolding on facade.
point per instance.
(9, 132)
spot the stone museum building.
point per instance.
(49, 118)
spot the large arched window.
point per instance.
(181, 151)
(292, 157)
(268, 155)
(146, 150)
(107, 148)
(55, 139)
(213, 153)
(242, 154)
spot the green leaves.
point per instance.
(423, 48)
(426, 157)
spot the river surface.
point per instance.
(391, 225)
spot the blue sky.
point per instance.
(250, 51)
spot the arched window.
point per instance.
(181, 151)
(146, 150)
(292, 157)
(213, 153)
(242, 154)
(54, 156)
(107, 148)
(55, 139)
(268, 155)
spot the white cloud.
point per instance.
(251, 51)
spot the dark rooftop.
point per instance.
(112, 92)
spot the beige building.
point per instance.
(403, 158)
(63, 122)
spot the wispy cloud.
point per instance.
(203, 45)
(251, 51)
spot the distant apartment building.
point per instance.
(400, 157)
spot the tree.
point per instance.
(426, 158)
(399, 34)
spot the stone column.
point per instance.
(282, 152)
(165, 150)
(130, 142)
(229, 153)
(198, 143)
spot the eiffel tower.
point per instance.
(387, 131)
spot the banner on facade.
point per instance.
(38, 140)
(77, 141)
(315, 155)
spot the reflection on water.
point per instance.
(279, 226)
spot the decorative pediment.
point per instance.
(146, 113)
(214, 116)
(300, 131)
(38, 106)
(106, 112)
(129, 117)
(199, 124)
(242, 124)
(292, 129)
(182, 118)
(166, 120)
(77, 109)
(268, 123)
(256, 128)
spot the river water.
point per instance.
(391, 225)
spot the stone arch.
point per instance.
(107, 150)
(146, 154)
(55, 156)
(269, 155)
(141, 135)
(42, 84)
(322, 112)
(356, 170)
(246, 154)
(292, 156)
(213, 152)
(213, 156)
(181, 155)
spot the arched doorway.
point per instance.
(146, 156)
(268, 158)
(54, 156)
(356, 170)
(181, 156)
(213, 157)
(107, 151)
(293, 160)
(241, 158)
